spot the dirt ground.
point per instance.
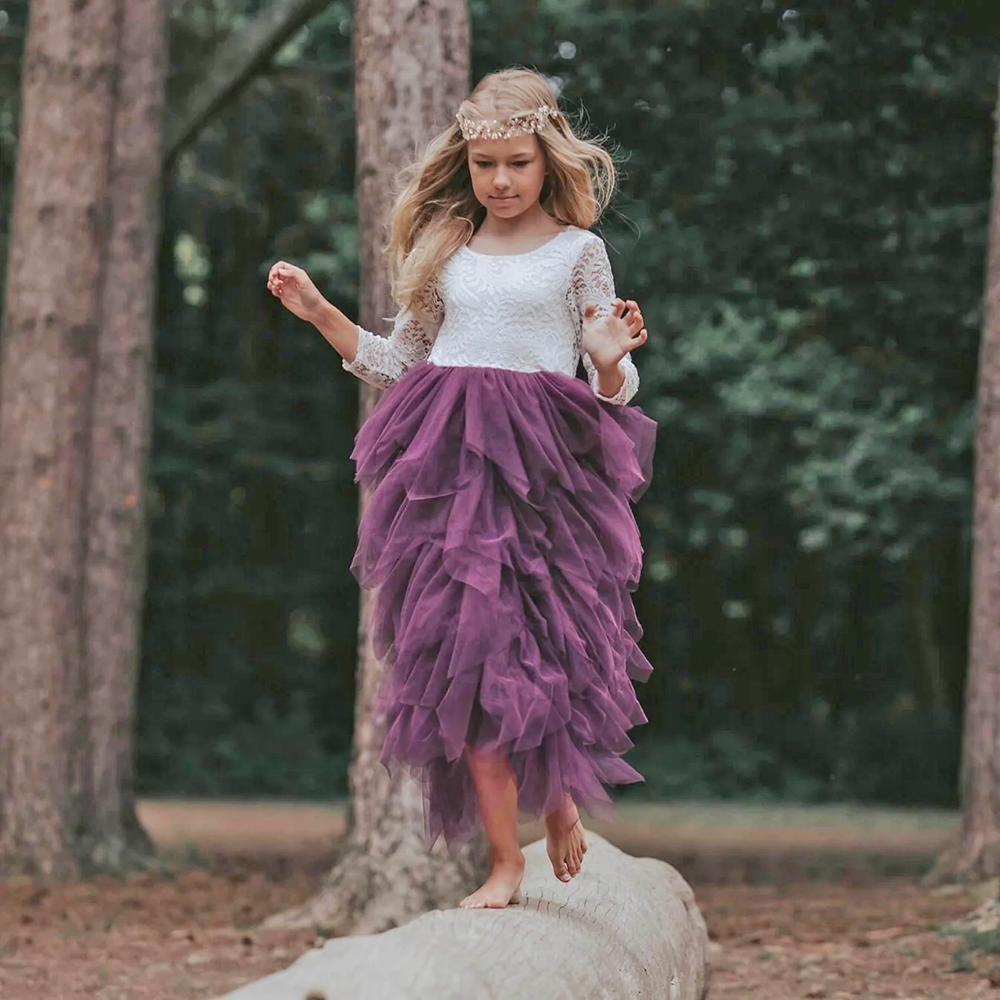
(799, 904)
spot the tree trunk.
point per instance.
(975, 853)
(73, 402)
(115, 575)
(49, 348)
(411, 73)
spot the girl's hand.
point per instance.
(607, 340)
(295, 288)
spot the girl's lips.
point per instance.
(505, 197)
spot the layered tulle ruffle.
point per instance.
(501, 538)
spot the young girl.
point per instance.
(499, 530)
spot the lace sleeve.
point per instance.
(593, 282)
(381, 361)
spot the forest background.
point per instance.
(803, 217)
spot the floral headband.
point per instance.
(519, 124)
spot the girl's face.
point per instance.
(507, 174)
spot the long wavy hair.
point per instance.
(436, 212)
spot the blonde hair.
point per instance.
(436, 211)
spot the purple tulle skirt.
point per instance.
(502, 542)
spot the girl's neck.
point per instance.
(535, 222)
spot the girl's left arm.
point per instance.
(593, 283)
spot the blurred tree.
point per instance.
(73, 432)
(236, 60)
(975, 852)
(411, 72)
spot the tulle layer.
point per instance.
(500, 535)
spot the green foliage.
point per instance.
(803, 217)
(900, 756)
(986, 942)
(725, 764)
(198, 747)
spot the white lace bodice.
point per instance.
(517, 311)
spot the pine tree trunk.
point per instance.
(411, 73)
(73, 402)
(975, 853)
(115, 572)
(49, 342)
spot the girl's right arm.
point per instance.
(293, 286)
(380, 361)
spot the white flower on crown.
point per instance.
(519, 124)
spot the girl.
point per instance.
(499, 531)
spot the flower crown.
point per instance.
(519, 124)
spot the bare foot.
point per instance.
(565, 840)
(502, 888)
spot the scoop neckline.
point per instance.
(524, 253)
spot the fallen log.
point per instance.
(624, 929)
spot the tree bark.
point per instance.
(411, 73)
(73, 418)
(115, 573)
(975, 853)
(49, 341)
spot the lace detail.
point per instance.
(522, 312)
(592, 281)
(380, 361)
(509, 311)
